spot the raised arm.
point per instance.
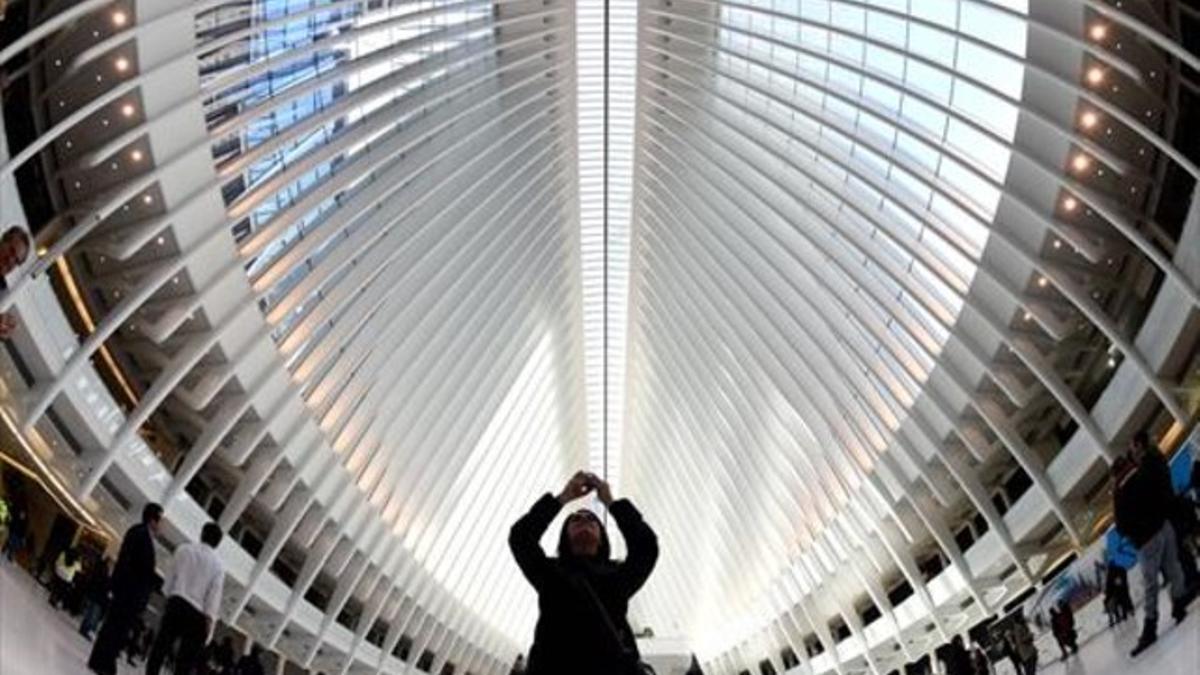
(525, 539)
(640, 540)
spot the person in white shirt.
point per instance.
(193, 592)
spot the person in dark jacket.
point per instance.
(133, 579)
(95, 594)
(251, 664)
(583, 595)
(1117, 600)
(1062, 625)
(14, 251)
(956, 657)
(1142, 502)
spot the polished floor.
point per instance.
(1104, 651)
(37, 640)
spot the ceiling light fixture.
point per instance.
(1088, 119)
(1095, 75)
(119, 18)
(1081, 163)
(1099, 32)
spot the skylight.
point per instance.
(605, 132)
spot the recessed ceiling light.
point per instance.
(1069, 204)
(1099, 31)
(136, 155)
(1095, 75)
(1088, 119)
(1042, 281)
(119, 18)
(1081, 162)
(147, 199)
(122, 64)
(128, 110)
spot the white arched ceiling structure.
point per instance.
(856, 299)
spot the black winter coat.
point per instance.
(134, 577)
(572, 637)
(1144, 500)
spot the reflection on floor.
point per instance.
(1105, 651)
(37, 640)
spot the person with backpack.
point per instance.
(1142, 505)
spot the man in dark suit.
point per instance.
(133, 580)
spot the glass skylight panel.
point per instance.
(605, 152)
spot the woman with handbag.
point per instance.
(583, 594)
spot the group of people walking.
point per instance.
(583, 595)
(193, 591)
(1159, 524)
(113, 596)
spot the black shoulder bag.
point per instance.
(631, 664)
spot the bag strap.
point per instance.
(634, 663)
(603, 611)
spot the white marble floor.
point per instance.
(1177, 651)
(36, 639)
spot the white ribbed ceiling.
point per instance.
(799, 276)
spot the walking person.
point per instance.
(193, 591)
(956, 657)
(1142, 503)
(17, 529)
(222, 657)
(979, 660)
(14, 251)
(1062, 623)
(583, 595)
(1117, 600)
(66, 566)
(133, 579)
(95, 592)
(1026, 650)
(251, 664)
